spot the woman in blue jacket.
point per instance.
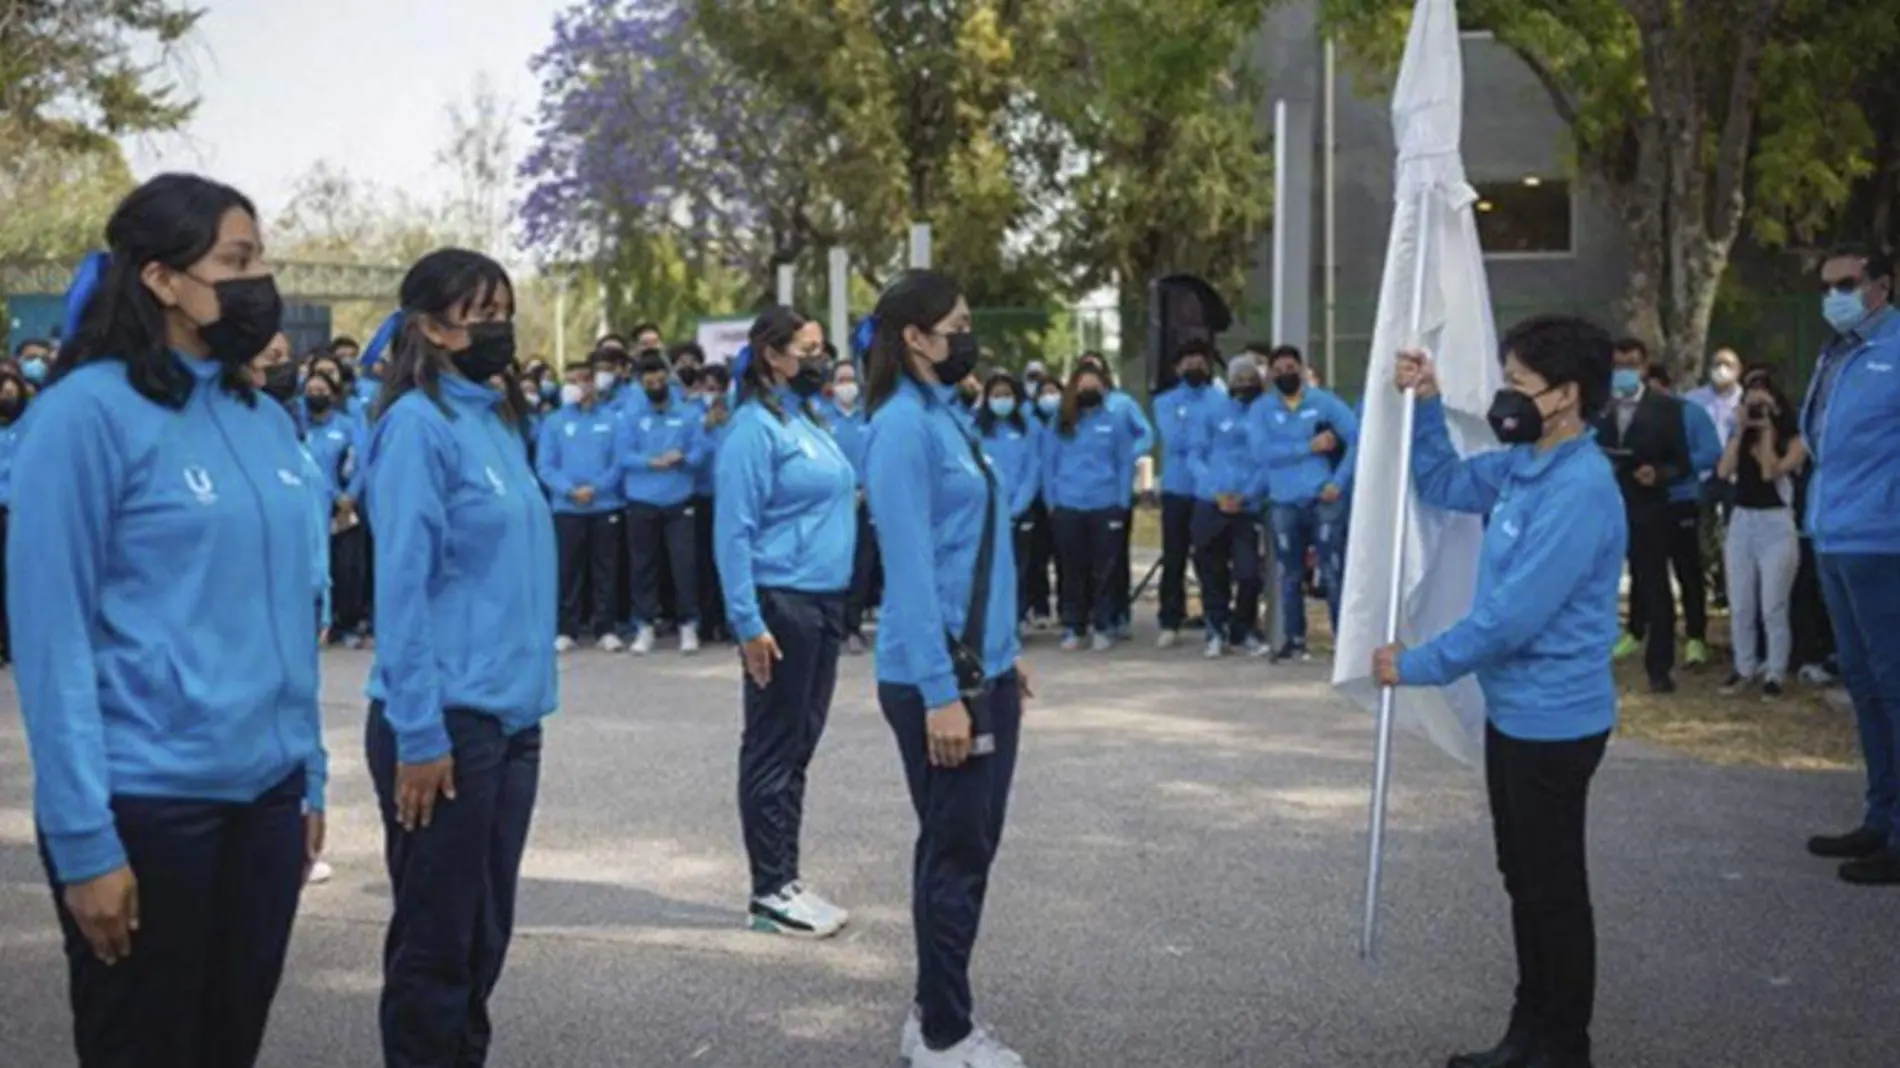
(1542, 623)
(658, 443)
(349, 544)
(948, 678)
(1087, 469)
(161, 541)
(842, 412)
(1229, 481)
(1118, 401)
(13, 399)
(577, 460)
(1013, 442)
(784, 537)
(464, 672)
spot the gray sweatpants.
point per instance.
(1761, 555)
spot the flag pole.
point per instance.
(1395, 601)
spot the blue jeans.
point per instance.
(1297, 527)
(1863, 600)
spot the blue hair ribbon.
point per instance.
(739, 364)
(861, 337)
(91, 271)
(385, 334)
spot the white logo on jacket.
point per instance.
(289, 478)
(501, 488)
(198, 481)
(572, 429)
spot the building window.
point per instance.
(1529, 216)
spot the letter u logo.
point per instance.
(198, 481)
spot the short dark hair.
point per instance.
(32, 342)
(641, 328)
(343, 341)
(1194, 346)
(1879, 260)
(688, 348)
(653, 360)
(1563, 349)
(1633, 344)
(717, 373)
(1287, 352)
(1657, 372)
(614, 340)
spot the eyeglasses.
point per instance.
(1844, 285)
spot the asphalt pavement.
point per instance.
(1179, 886)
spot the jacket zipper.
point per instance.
(270, 588)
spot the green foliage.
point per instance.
(58, 194)
(76, 70)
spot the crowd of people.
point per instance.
(193, 513)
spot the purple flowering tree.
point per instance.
(646, 137)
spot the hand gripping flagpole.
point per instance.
(1395, 602)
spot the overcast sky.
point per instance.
(362, 83)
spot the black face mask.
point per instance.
(1246, 394)
(1198, 377)
(689, 377)
(809, 378)
(1089, 398)
(658, 395)
(280, 382)
(1288, 384)
(249, 315)
(1515, 417)
(318, 403)
(491, 349)
(964, 352)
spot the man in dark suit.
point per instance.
(1642, 432)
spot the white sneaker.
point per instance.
(790, 912)
(1041, 624)
(1071, 641)
(643, 640)
(1102, 643)
(1215, 647)
(1168, 639)
(689, 639)
(563, 644)
(1816, 675)
(611, 643)
(1256, 647)
(854, 645)
(321, 872)
(979, 1049)
(819, 906)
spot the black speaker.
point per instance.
(1181, 308)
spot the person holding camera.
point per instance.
(1642, 432)
(947, 676)
(1763, 549)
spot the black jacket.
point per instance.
(1656, 438)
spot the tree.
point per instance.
(480, 150)
(75, 70)
(59, 195)
(1170, 171)
(1682, 111)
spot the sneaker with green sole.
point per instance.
(1625, 646)
(1695, 654)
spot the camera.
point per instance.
(1758, 412)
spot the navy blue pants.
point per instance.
(960, 825)
(866, 573)
(1227, 557)
(783, 723)
(217, 885)
(453, 884)
(1090, 545)
(712, 601)
(1040, 556)
(589, 554)
(659, 543)
(1177, 542)
(1863, 599)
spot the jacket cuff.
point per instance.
(80, 858)
(939, 690)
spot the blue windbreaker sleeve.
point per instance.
(66, 481)
(1196, 445)
(1705, 442)
(317, 769)
(1047, 449)
(630, 445)
(899, 480)
(409, 482)
(698, 443)
(547, 462)
(1346, 428)
(1144, 429)
(1553, 555)
(742, 483)
(1444, 480)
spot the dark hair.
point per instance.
(653, 360)
(1194, 346)
(918, 298)
(445, 281)
(1633, 344)
(10, 374)
(1284, 352)
(688, 348)
(611, 357)
(1071, 407)
(610, 339)
(1657, 372)
(641, 328)
(773, 330)
(1879, 261)
(32, 342)
(336, 387)
(172, 219)
(343, 341)
(717, 371)
(1563, 349)
(986, 420)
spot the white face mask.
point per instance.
(604, 381)
(572, 394)
(846, 392)
(1723, 376)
